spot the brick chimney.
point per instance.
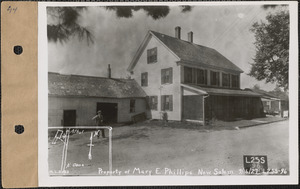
(108, 71)
(177, 32)
(190, 37)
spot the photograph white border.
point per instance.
(44, 178)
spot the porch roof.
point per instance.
(220, 91)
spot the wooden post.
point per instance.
(203, 109)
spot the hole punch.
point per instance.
(18, 49)
(19, 129)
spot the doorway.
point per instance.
(109, 112)
(69, 118)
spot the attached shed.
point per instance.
(273, 104)
(75, 99)
(208, 103)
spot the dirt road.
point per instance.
(155, 150)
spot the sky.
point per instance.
(116, 40)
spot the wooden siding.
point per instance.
(230, 108)
(193, 107)
(165, 59)
(86, 109)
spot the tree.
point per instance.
(63, 21)
(271, 61)
(65, 24)
(278, 92)
(156, 12)
(256, 86)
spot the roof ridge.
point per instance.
(183, 40)
(100, 77)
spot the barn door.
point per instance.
(109, 112)
(69, 117)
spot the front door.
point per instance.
(69, 117)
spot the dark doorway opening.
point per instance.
(109, 112)
(69, 117)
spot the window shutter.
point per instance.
(155, 54)
(205, 77)
(148, 102)
(148, 56)
(218, 78)
(162, 103)
(162, 76)
(146, 79)
(171, 102)
(171, 76)
(155, 102)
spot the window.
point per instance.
(214, 78)
(235, 79)
(144, 79)
(152, 102)
(132, 106)
(166, 75)
(225, 80)
(188, 74)
(167, 103)
(201, 76)
(152, 55)
(195, 76)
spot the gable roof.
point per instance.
(188, 53)
(88, 86)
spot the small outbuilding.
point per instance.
(273, 104)
(75, 99)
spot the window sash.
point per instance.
(152, 55)
(152, 102)
(215, 78)
(167, 76)
(225, 80)
(235, 81)
(195, 76)
(132, 106)
(144, 79)
(188, 74)
(167, 103)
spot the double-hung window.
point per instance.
(235, 80)
(195, 76)
(215, 78)
(201, 76)
(166, 75)
(152, 102)
(144, 79)
(152, 55)
(225, 80)
(167, 103)
(132, 106)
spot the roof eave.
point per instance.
(139, 52)
(153, 34)
(199, 64)
(142, 48)
(92, 96)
